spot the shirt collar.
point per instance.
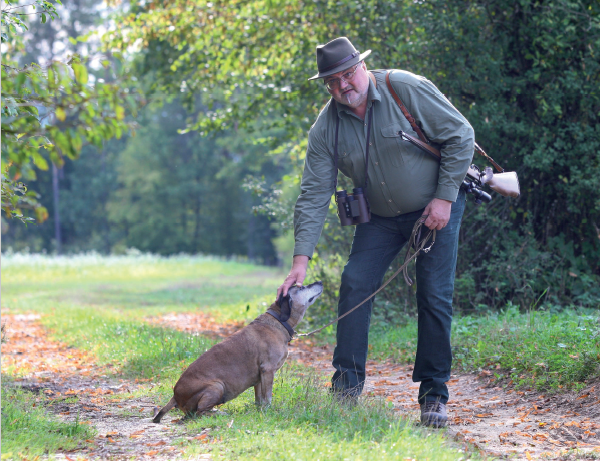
(372, 95)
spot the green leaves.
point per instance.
(83, 114)
(61, 114)
(81, 73)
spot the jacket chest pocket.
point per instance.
(350, 159)
(392, 145)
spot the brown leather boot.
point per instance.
(433, 414)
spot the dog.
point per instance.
(249, 357)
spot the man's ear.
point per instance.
(285, 307)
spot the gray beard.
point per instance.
(357, 102)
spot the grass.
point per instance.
(98, 304)
(546, 350)
(28, 430)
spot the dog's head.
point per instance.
(293, 306)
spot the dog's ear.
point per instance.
(285, 307)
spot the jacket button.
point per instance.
(382, 183)
(390, 201)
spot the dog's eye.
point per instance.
(311, 299)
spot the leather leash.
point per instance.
(416, 243)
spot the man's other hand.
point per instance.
(438, 212)
(296, 276)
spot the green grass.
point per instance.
(98, 304)
(29, 430)
(304, 423)
(546, 350)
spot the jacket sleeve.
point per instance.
(316, 190)
(443, 124)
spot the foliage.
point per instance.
(525, 74)
(50, 112)
(12, 18)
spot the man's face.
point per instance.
(351, 91)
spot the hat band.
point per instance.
(339, 63)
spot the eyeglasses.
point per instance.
(334, 83)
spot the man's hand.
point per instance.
(438, 212)
(297, 274)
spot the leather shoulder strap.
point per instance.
(426, 146)
(404, 110)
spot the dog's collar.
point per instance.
(287, 326)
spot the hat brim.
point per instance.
(343, 66)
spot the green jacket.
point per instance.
(402, 178)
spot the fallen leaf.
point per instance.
(156, 444)
(152, 453)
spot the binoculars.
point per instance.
(352, 208)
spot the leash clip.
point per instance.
(426, 250)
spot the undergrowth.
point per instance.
(546, 350)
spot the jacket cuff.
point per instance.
(446, 193)
(304, 248)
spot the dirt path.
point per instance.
(123, 422)
(504, 423)
(500, 422)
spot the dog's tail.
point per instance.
(159, 414)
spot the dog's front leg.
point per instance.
(257, 391)
(266, 387)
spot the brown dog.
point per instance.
(249, 357)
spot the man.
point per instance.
(403, 184)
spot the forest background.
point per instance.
(192, 132)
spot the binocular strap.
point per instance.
(335, 146)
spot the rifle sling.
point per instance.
(423, 143)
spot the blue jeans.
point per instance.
(374, 247)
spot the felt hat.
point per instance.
(337, 55)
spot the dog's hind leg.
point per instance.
(206, 400)
(158, 415)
